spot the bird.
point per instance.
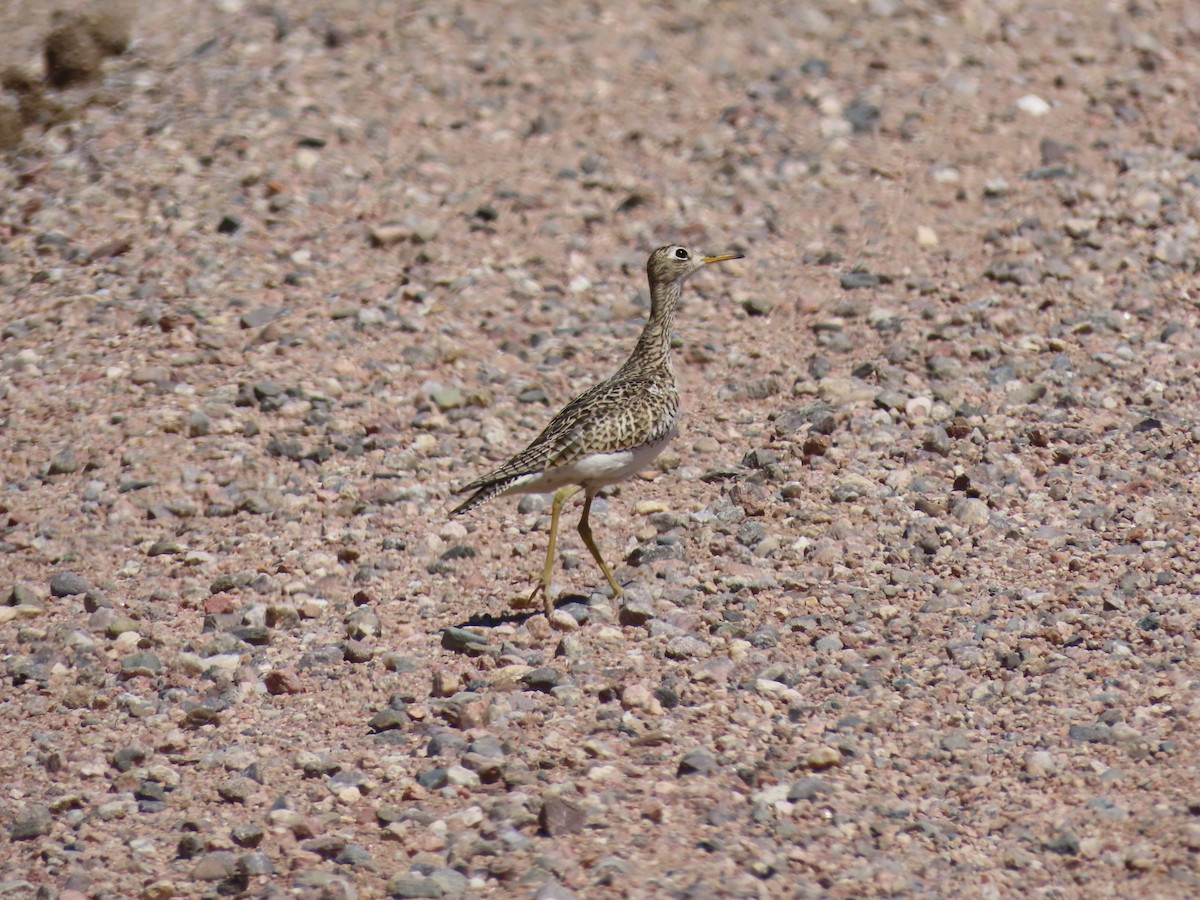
(609, 432)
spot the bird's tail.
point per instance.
(482, 494)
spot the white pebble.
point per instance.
(1033, 104)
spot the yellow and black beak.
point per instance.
(707, 260)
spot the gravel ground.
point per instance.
(911, 604)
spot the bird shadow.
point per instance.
(490, 620)
(487, 620)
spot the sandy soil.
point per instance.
(911, 602)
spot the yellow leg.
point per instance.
(585, 532)
(543, 588)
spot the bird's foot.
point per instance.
(544, 590)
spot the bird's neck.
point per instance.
(654, 346)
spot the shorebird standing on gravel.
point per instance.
(610, 432)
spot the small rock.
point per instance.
(972, 511)
(553, 890)
(544, 679)
(1092, 734)
(560, 816)
(757, 306)
(926, 237)
(32, 822)
(119, 626)
(260, 317)
(1040, 763)
(433, 779)
(68, 584)
(697, 762)
(808, 789)
(1065, 844)
(414, 886)
(252, 865)
(462, 639)
(1033, 105)
(249, 834)
(64, 463)
(142, 663)
(918, 408)
(635, 610)
(24, 595)
(354, 855)
(447, 398)
(823, 758)
(855, 280)
(387, 720)
(215, 866)
(236, 790)
(1025, 394)
(283, 681)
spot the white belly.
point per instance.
(594, 471)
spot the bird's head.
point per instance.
(675, 263)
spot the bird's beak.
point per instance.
(724, 256)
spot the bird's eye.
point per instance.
(681, 254)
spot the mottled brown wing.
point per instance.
(618, 414)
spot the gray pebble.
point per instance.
(447, 398)
(1092, 734)
(758, 306)
(68, 584)
(414, 886)
(808, 789)
(127, 758)
(854, 280)
(543, 679)
(141, 663)
(252, 865)
(118, 626)
(258, 635)
(387, 719)
(1065, 844)
(454, 638)
(888, 399)
(452, 882)
(215, 866)
(696, 762)
(249, 834)
(688, 646)
(354, 855)
(433, 779)
(955, 741)
(531, 503)
(357, 652)
(189, 846)
(972, 511)
(327, 846)
(560, 816)
(553, 890)
(236, 790)
(363, 622)
(24, 595)
(396, 662)
(263, 315)
(938, 441)
(945, 368)
(828, 642)
(64, 463)
(1026, 394)
(32, 822)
